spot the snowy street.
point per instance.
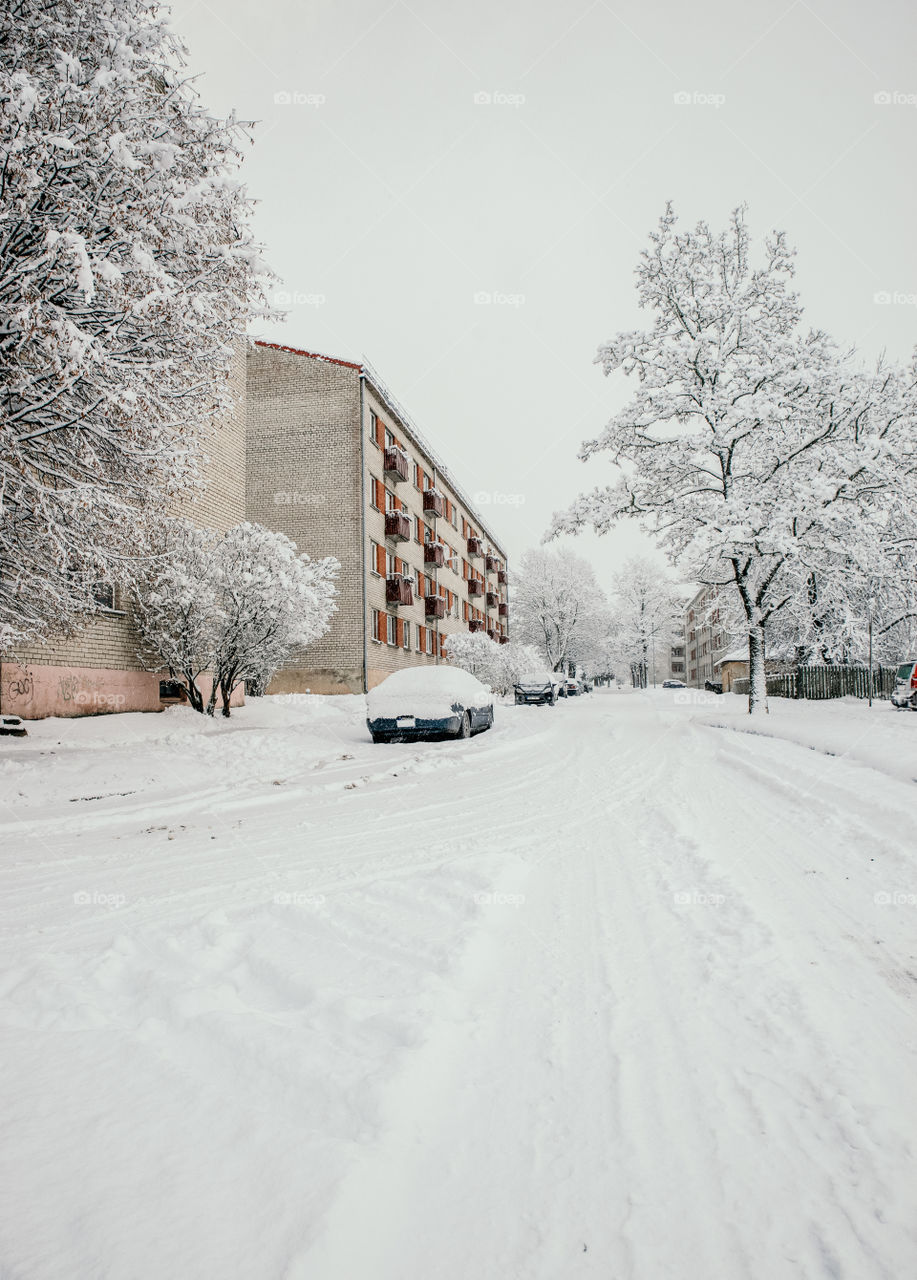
(612, 990)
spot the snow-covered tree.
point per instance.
(646, 610)
(127, 274)
(558, 606)
(232, 608)
(498, 665)
(514, 661)
(749, 447)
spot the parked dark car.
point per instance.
(537, 689)
(674, 684)
(904, 694)
(713, 686)
(428, 702)
(587, 686)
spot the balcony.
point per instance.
(475, 548)
(492, 564)
(398, 590)
(503, 610)
(434, 504)
(434, 607)
(475, 588)
(491, 599)
(501, 577)
(433, 554)
(504, 639)
(397, 526)
(491, 634)
(475, 625)
(395, 464)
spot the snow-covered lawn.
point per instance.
(613, 990)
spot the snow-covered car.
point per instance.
(572, 689)
(537, 687)
(674, 684)
(428, 702)
(904, 693)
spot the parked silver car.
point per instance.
(904, 694)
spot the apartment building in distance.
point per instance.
(706, 640)
(333, 461)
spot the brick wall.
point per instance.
(303, 479)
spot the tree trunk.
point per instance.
(194, 693)
(757, 676)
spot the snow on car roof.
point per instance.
(428, 679)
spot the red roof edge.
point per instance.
(313, 355)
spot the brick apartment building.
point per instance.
(318, 449)
(334, 462)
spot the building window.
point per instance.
(377, 626)
(103, 594)
(431, 636)
(405, 634)
(391, 627)
(376, 558)
(678, 666)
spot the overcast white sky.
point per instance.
(397, 198)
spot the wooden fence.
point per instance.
(826, 682)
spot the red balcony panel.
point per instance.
(475, 547)
(491, 599)
(501, 577)
(395, 463)
(433, 554)
(475, 588)
(398, 590)
(492, 564)
(504, 639)
(492, 635)
(435, 607)
(475, 625)
(434, 504)
(503, 610)
(397, 526)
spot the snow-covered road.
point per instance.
(612, 990)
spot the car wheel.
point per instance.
(464, 729)
(378, 737)
(913, 703)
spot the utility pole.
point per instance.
(870, 605)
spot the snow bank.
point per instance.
(877, 737)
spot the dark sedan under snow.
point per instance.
(428, 702)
